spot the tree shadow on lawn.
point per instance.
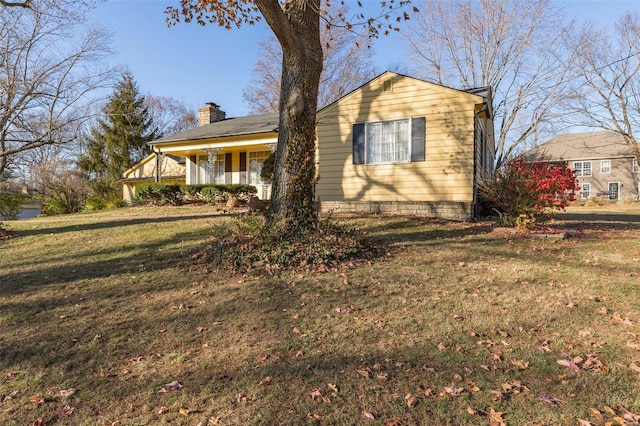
(599, 222)
(43, 228)
(85, 267)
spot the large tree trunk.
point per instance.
(297, 28)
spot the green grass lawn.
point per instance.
(106, 320)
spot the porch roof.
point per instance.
(253, 124)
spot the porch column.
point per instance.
(212, 157)
(159, 160)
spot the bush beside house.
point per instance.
(159, 193)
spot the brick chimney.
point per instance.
(210, 113)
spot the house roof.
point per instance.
(249, 125)
(268, 123)
(578, 146)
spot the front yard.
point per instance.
(106, 320)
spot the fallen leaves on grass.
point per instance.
(589, 362)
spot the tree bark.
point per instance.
(297, 27)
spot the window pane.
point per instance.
(586, 168)
(605, 166)
(256, 161)
(388, 142)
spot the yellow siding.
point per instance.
(445, 175)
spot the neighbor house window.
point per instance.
(635, 166)
(582, 168)
(586, 191)
(614, 190)
(389, 142)
(605, 166)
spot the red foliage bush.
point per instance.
(523, 193)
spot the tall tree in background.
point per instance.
(607, 96)
(346, 66)
(118, 140)
(513, 46)
(48, 74)
(296, 25)
(169, 115)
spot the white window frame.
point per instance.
(634, 166)
(605, 170)
(585, 192)
(263, 157)
(206, 179)
(367, 144)
(609, 189)
(579, 168)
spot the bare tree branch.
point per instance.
(48, 74)
(513, 46)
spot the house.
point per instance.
(396, 144)
(172, 170)
(602, 161)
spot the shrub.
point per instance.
(525, 193)
(217, 193)
(11, 204)
(159, 193)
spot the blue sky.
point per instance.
(196, 64)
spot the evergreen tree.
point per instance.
(117, 141)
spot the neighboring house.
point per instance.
(396, 144)
(172, 170)
(603, 163)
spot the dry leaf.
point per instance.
(442, 346)
(10, 395)
(367, 415)
(364, 372)
(163, 409)
(453, 390)
(66, 393)
(37, 399)
(64, 411)
(185, 412)
(173, 386)
(240, 398)
(315, 394)
(495, 418)
(333, 387)
(411, 400)
(570, 364)
(394, 422)
(522, 365)
(585, 423)
(265, 381)
(472, 411)
(550, 400)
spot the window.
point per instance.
(635, 166)
(586, 191)
(582, 168)
(208, 173)
(614, 190)
(389, 142)
(605, 167)
(256, 160)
